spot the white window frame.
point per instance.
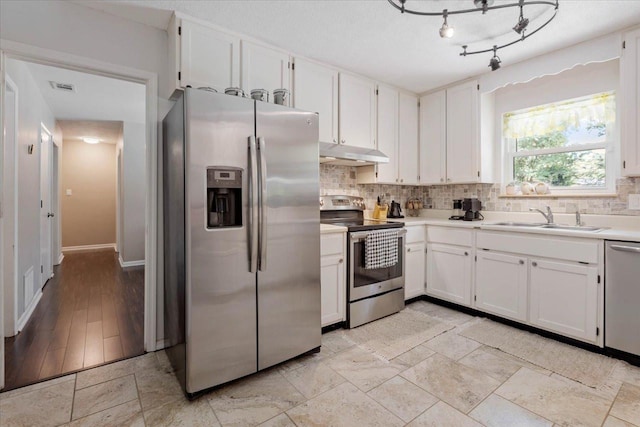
(608, 143)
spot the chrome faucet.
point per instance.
(578, 219)
(548, 216)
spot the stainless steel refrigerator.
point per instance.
(241, 236)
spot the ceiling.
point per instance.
(108, 132)
(372, 38)
(95, 98)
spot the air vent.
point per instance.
(66, 87)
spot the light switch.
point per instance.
(634, 202)
(68, 192)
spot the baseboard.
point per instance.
(29, 311)
(60, 259)
(161, 344)
(89, 247)
(125, 264)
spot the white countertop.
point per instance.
(612, 233)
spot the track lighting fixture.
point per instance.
(446, 31)
(484, 6)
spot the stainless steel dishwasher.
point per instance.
(622, 296)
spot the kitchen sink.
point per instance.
(572, 227)
(517, 224)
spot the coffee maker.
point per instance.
(472, 207)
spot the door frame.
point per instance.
(24, 52)
(46, 275)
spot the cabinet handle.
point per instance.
(408, 249)
(535, 264)
(396, 179)
(402, 180)
(448, 179)
(342, 142)
(335, 141)
(521, 262)
(341, 261)
(466, 254)
(441, 179)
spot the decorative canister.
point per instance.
(208, 89)
(281, 97)
(527, 188)
(511, 189)
(542, 188)
(260, 95)
(234, 91)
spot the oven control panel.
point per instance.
(341, 202)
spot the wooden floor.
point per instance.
(91, 312)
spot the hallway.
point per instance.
(91, 312)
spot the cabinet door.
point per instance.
(264, 68)
(463, 142)
(388, 133)
(564, 298)
(332, 282)
(414, 270)
(408, 139)
(630, 111)
(357, 111)
(501, 284)
(449, 273)
(208, 57)
(433, 138)
(315, 88)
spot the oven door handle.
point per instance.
(361, 235)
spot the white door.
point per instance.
(408, 139)
(264, 68)
(208, 58)
(463, 140)
(315, 88)
(630, 76)
(414, 270)
(333, 299)
(449, 273)
(433, 138)
(357, 111)
(564, 298)
(46, 213)
(501, 284)
(388, 133)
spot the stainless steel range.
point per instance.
(374, 290)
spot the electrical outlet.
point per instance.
(634, 202)
(68, 192)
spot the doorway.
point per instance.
(92, 309)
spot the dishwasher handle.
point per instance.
(625, 248)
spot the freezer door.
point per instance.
(221, 289)
(289, 243)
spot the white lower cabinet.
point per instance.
(333, 278)
(449, 272)
(501, 284)
(414, 270)
(564, 298)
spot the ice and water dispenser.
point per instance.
(224, 197)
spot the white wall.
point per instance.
(133, 197)
(32, 111)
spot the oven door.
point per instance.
(364, 282)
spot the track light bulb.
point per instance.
(446, 31)
(521, 25)
(494, 63)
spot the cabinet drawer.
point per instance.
(569, 249)
(332, 244)
(415, 234)
(450, 236)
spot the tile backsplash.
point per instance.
(342, 180)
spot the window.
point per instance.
(567, 145)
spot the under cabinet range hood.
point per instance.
(350, 155)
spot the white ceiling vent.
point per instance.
(65, 87)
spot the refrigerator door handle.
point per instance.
(262, 204)
(252, 217)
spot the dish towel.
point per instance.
(381, 249)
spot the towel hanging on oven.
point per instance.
(381, 249)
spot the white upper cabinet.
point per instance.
(264, 68)
(433, 138)
(208, 58)
(388, 133)
(450, 136)
(408, 139)
(315, 88)
(630, 111)
(462, 133)
(357, 111)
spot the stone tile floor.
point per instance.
(449, 380)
